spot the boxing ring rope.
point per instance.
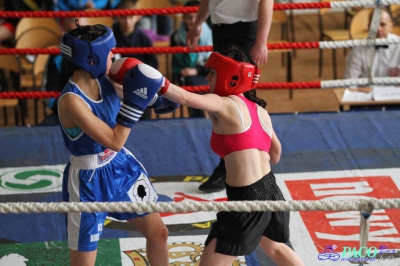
(181, 49)
(364, 206)
(266, 85)
(338, 83)
(179, 207)
(185, 49)
(184, 10)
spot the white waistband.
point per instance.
(92, 161)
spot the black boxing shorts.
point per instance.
(238, 233)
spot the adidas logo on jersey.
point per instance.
(141, 92)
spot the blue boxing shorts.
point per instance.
(106, 177)
(239, 233)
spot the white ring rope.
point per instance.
(356, 42)
(341, 83)
(179, 207)
(363, 3)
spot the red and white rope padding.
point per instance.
(324, 84)
(185, 49)
(356, 43)
(184, 10)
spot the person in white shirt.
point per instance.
(358, 61)
(245, 24)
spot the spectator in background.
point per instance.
(57, 75)
(157, 27)
(7, 32)
(128, 34)
(358, 61)
(8, 25)
(188, 68)
(67, 5)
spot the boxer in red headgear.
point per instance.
(244, 137)
(234, 77)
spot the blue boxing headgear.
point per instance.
(87, 47)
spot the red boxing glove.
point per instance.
(121, 66)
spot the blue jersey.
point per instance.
(106, 109)
(97, 174)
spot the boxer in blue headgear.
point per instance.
(95, 128)
(87, 47)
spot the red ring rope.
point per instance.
(142, 11)
(23, 95)
(156, 50)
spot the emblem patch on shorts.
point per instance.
(142, 190)
(105, 156)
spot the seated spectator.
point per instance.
(157, 27)
(57, 75)
(358, 61)
(7, 32)
(188, 69)
(128, 34)
(8, 25)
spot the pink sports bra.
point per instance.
(256, 136)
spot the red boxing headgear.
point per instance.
(233, 77)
